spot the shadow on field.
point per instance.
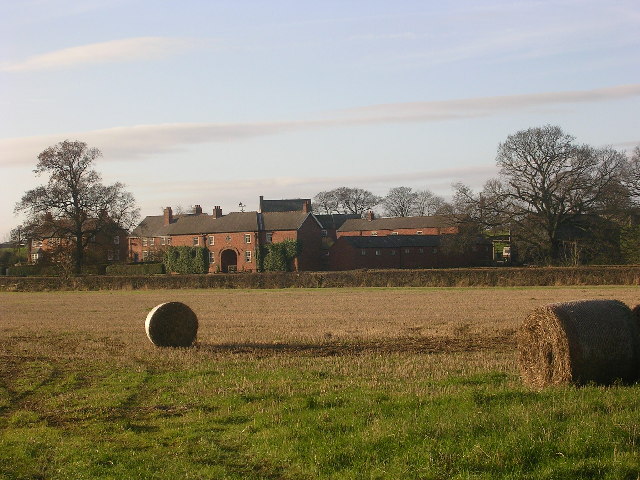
(469, 343)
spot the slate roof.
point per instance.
(401, 241)
(393, 223)
(153, 226)
(283, 220)
(334, 221)
(287, 205)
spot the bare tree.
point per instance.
(400, 202)
(427, 203)
(74, 204)
(547, 184)
(345, 200)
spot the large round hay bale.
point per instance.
(172, 324)
(579, 342)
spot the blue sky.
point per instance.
(218, 102)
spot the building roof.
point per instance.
(393, 223)
(283, 220)
(334, 221)
(192, 224)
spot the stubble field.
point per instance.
(326, 383)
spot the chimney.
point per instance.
(168, 216)
(306, 206)
(48, 217)
(197, 210)
(370, 215)
(217, 212)
(261, 201)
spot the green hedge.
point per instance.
(187, 260)
(136, 269)
(278, 257)
(463, 277)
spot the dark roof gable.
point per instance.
(392, 223)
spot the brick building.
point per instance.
(405, 242)
(233, 240)
(51, 242)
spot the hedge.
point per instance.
(51, 270)
(136, 269)
(464, 277)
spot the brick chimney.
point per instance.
(168, 216)
(306, 206)
(261, 202)
(197, 210)
(217, 212)
(370, 216)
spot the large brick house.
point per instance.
(232, 240)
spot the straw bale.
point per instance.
(578, 343)
(172, 324)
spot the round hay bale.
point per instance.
(172, 324)
(578, 343)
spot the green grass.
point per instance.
(189, 416)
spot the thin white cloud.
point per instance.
(128, 49)
(133, 143)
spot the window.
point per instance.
(269, 237)
(394, 233)
(116, 240)
(407, 250)
(323, 232)
(393, 252)
(144, 241)
(34, 257)
(419, 232)
(434, 250)
(378, 252)
(145, 255)
(212, 240)
(421, 250)
(374, 234)
(168, 240)
(110, 255)
(363, 252)
(165, 240)
(247, 238)
(228, 238)
(212, 257)
(196, 241)
(247, 255)
(36, 243)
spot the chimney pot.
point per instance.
(370, 215)
(197, 209)
(217, 212)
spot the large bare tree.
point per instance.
(74, 204)
(400, 202)
(548, 183)
(345, 200)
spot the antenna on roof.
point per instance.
(241, 206)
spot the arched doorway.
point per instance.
(229, 261)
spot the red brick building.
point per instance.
(50, 242)
(405, 242)
(233, 240)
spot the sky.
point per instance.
(218, 102)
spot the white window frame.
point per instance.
(247, 238)
(363, 252)
(212, 240)
(212, 257)
(393, 252)
(407, 250)
(145, 241)
(394, 233)
(247, 256)
(419, 232)
(378, 253)
(269, 237)
(324, 232)
(374, 233)
(196, 241)
(110, 255)
(116, 240)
